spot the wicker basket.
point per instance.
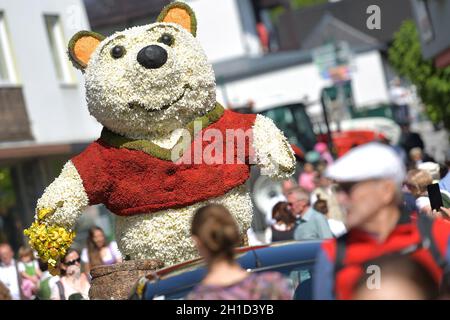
(115, 282)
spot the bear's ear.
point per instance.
(179, 13)
(81, 47)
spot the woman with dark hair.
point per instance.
(99, 251)
(72, 283)
(284, 226)
(216, 234)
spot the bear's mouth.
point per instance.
(138, 104)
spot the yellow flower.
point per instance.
(54, 235)
(42, 213)
(52, 264)
(53, 252)
(51, 242)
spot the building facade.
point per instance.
(433, 21)
(43, 114)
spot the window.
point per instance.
(58, 49)
(7, 71)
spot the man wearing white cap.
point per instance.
(369, 180)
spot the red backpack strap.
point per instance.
(341, 248)
(425, 226)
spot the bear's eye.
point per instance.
(117, 52)
(167, 39)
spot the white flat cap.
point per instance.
(432, 168)
(369, 161)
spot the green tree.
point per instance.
(433, 84)
(7, 198)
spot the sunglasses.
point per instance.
(345, 187)
(72, 262)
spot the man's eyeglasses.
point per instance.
(72, 262)
(345, 187)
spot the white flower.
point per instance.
(112, 84)
(166, 235)
(273, 152)
(66, 194)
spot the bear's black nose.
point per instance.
(152, 57)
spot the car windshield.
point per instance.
(295, 124)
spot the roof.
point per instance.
(330, 28)
(243, 67)
(297, 25)
(109, 12)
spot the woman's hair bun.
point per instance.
(216, 229)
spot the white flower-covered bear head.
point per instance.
(146, 81)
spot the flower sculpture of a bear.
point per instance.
(166, 149)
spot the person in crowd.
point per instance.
(443, 213)
(399, 278)
(287, 186)
(325, 154)
(434, 169)
(29, 271)
(443, 171)
(444, 183)
(397, 148)
(283, 228)
(216, 234)
(400, 100)
(417, 157)
(263, 35)
(72, 282)
(46, 282)
(370, 178)
(321, 206)
(307, 177)
(325, 190)
(9, 272)
(99, 251)
(410, 140)
(4, 292)
(409, 201)
(417, 181)
(311, 224)
(337, 227)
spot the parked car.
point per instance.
(294, 259)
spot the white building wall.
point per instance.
(222, 32)
(57, 112)
(369, 80)
(297, 82)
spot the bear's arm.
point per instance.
(273, 152)
(66, 196)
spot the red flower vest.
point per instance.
(130, 182)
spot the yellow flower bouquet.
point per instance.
(50, 241)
